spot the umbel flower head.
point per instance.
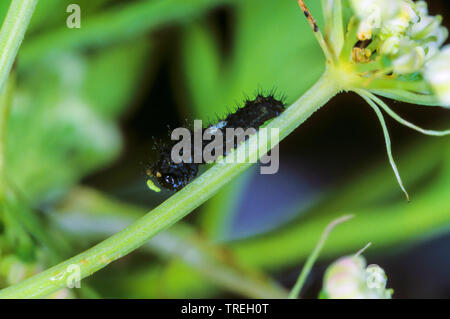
(390, 48)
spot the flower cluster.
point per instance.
(392, 48)
(407, 39)
(349, 278)
(437, 73)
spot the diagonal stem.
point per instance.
(177, 206)
(295, 292)
(315, 28)
(11, 36)
(12, 33)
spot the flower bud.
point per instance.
(437, 73)
(371, 13)
(428, 31)
(348, 278)
(409, 59)
(391, 46)
(377, 10)
(406, 15)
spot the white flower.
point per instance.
(406, 34)
(372, 13)
(398, 24)
(376, 277)
(409, 58)
(428, 30)
(406, 55)
(437, 73)
(348, 278)
(391, 46)
(377, 10)
(392, 17)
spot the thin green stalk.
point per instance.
(337, 30)
(316, 31)
(11, 36)
(399, 119)
(177, 206)
(350, 40)
(334, 26)
(295, 292)
(387, 139)
(5, 107)
(409, 97)
(12, 33)
(386, 83)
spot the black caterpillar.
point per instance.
(253, 114)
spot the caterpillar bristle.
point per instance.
(253, 113)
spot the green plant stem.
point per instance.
(295, 292)
(181, 242)
(386, 83)
(11, 36)
(387, 139)
(409, 97)
(402, 121)
(177, 206)
(5, 108)
(12, 33)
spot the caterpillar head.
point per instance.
(170, 175)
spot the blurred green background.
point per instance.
(86, 104)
